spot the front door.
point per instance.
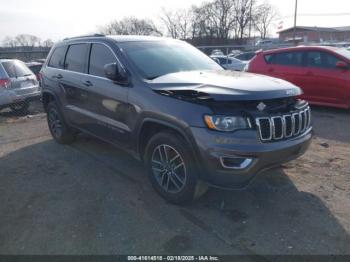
(106, 102)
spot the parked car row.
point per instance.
(19, 84)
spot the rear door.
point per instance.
(70, 80)
(286, 65)
(53, 72)
(106, 103)
(323, 81)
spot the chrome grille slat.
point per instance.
(260, 128)
(274, 132)
(279, 127)
(288, 120)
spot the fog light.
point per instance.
(235, 162)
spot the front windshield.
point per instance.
(156, 58)
(344, 52)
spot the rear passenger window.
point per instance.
(57, 58)
(99, 57)
(76, 58)
(286, 59)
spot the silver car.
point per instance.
(18, 85)
(229, 63)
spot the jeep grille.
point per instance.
(274, 128)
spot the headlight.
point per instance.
(227, 123)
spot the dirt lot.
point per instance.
(90, 198)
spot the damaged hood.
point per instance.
(224, 85)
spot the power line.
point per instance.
(320, 14)
(326, 14)
(312, 15)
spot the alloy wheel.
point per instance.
(55, 123)
(169, 168)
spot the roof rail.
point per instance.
(82, 36)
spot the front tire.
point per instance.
(171, 168)
(59, 129)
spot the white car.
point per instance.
(216, 52)
(229, 63)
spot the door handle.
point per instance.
(58, 76)
(87, 83)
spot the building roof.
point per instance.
(315, 28)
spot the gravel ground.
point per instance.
(91, 198)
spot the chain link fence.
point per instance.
(20, 110)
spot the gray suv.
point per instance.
(18, 85)
(191, 122)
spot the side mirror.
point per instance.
(342, 65)
(115, 73)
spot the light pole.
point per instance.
(295, 22)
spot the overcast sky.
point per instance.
(57, 19)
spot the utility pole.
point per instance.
(295, 22)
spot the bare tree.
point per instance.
(48, 43)
(170, 20)
(206, 23)
(9, 42)
(178, 22)
(223, 13)
(243, 15)
(25, 40)
(131, 26)
(265, 14)
(34, 40)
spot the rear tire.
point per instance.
(59, 129)
(171, 168)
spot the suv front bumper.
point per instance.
(253, 156)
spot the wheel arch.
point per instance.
(47, 97)
(150, 127)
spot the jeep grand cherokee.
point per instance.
(191, 122)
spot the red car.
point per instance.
(322, 72)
